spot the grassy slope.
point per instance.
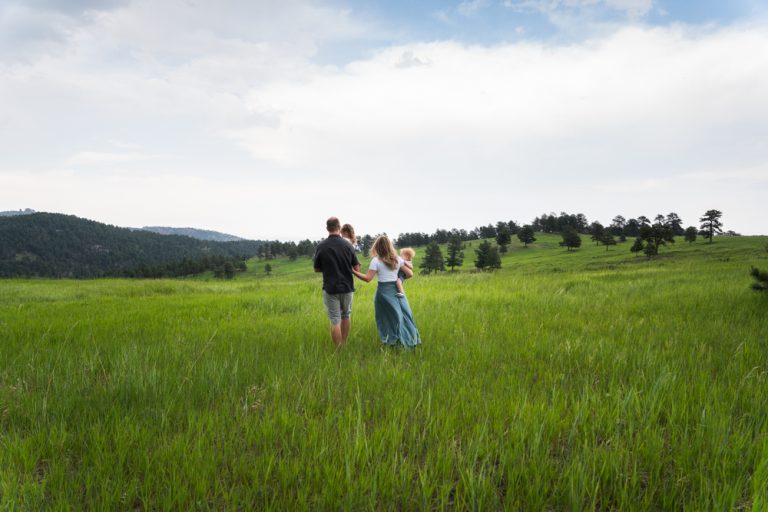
(592, 379)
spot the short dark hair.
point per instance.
(333, 224)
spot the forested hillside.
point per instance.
(56, 245)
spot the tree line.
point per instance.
(223, 267)
(649, 237)
(620, 227)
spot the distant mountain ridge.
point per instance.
(200, 234)
(56, 245)
(14, 213)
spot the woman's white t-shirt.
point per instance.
(384, 273)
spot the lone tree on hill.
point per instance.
(487, 257)
(655, 236)
(637, 246)
(571, 238)
(597, 230)
(526, 235)
(675, 223)
(617, 225)
(710, 224)
(433, 259)
(761, 280)
(608, 239)
(690, 234)
(503, 238)
(455, 252)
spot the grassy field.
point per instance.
(591, 380)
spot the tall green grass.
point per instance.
(592, 380)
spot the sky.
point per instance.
(263, 118)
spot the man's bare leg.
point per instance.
(336, 335)
(345, 325)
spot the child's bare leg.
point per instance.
(400, 289)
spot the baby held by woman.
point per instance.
(407, 255)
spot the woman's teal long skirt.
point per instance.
(394, 319)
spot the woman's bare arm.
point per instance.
(364, 277)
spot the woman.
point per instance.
(394, 319)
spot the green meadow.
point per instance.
(584, 380)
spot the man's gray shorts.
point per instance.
(339, 306)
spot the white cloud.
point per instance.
(517, 120)
(217, 116)
(469, 8)
(630, 8)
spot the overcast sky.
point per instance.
(263, 118)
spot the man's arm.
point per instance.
(317, 262)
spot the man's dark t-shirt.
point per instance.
(335, 257)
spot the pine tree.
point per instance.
(608, 239)
(481, 255)
(597, 231)
(711, 224)
(690, 234)
(488, 257)
(617, 225)
(493, 260)
(455, 252)
(526, 235)
(503, 237)
(675, 223)
(637, 246)
(268, 269)
(571, 238)
(433, 259)
(365, 244)
(761, 280)
(655, 236)
(650, 250)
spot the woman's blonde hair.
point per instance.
(348, 232)
(385, 251)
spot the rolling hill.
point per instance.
(56, 245)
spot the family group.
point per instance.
(336, 258)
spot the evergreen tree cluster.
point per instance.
(223, 267)
(271, 249)
(571, 238)
(553, 223)
(618, 230)
(433, 259)
(443, 236)
(487, 256)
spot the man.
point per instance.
(335, 258)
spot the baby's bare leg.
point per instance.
(400, 289)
